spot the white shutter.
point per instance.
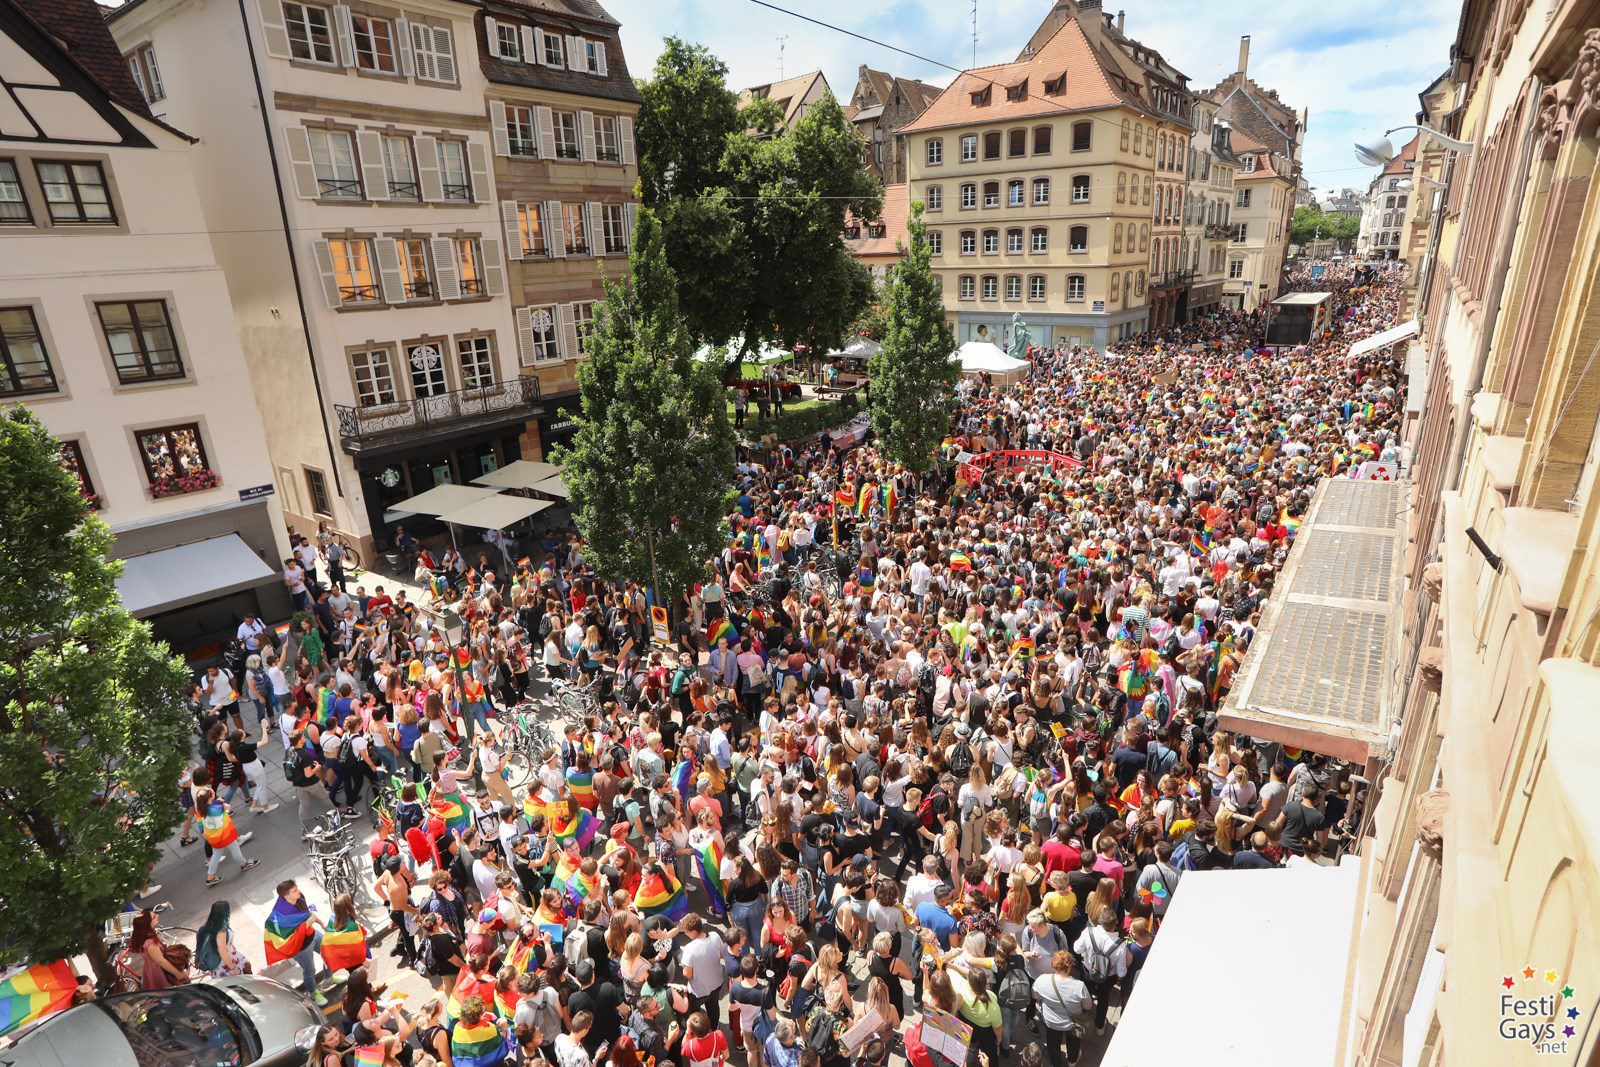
(428, 177)
(555, 229)
(630, 217)
(273, 29)
(530, 44)
(567, 331)
(330, 281)
(156, 88)
(508, 223)
(577, 59)
(497, 128)
(594, 223)
(444, 49)
(300, 165)
(422, 45)
(402, 33)
(586, 135)
(547, 132)
(373, 174)
(394, 284)
(600, 56)
(478, 172)
(524, 321)
(446, 282)
(344, 33)
(625, 139)
(494, 267)
(491, 36)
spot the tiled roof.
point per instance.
(896, 212)
(80, 27)
(565, 16)
(1407, 154)
(789, 93)
(1067, 50)
(584, 9)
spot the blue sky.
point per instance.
(1357, 65)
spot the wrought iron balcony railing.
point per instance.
(504, 402)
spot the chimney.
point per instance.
(1120, 16)
(1244, 53)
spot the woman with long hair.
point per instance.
(215, 952)
(159, 972)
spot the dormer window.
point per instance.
(981, 97)
(1018, 92)
(1056, 86)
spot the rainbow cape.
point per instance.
(325, 698)
(1135, 678)
(345, 950)
(468, 984)
(710, 859)
(369, 1056)
(960, 561)
(720, 629)
(763, 553)
(577, 829)
(661, 894)
(521, 956)
(1023, 647)
(581, 887)
(866, 578)
(478, 1046)
(581, 783)
(461, 658)
(448, 806)
(286, 930)
(1288, 522)
(845, 497)
(216, 825)
(864, 501)
(566, 867)
(30, 995)
(683, 779)
(505, 1002)
(551, 922)
(533, 804)
(891, 500)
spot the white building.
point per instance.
(1383, 212)
(116, 327)
(1207, 207)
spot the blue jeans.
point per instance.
(474, 715)
(749, 917)
(387, 757)
(307, 959)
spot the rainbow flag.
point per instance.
(216, 825)
(551, 922)
(468, 985)
(683, 779)
(505, 1002)
(720, 629)
(369, 1056)
(521, 956)
(1137, 676)
(478, 1046)
(533, 804)
(1288, 522)
(461, 657)
(710, 859)
(866, 578)
(577, 828)
(891, 500)
(864, 501)
(581, 887)
(763, 553)
(325, 698)
(1023, 647)
(286, 931)
(661, 894)
(30, 995)
(960, 561)
(582, 785)
(524, 563)
(566, 866)
(448, 806)
(345, 950)
(845, 497)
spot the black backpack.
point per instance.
(960, 759)
(822, 1035)
(1016, 991)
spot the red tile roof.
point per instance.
(79, 25)
(1407, 154)
(896, 213)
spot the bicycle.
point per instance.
(127, 966)
(331, 866)
(527, 740)
(575, 701)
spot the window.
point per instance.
(583, 322)
(1036, 287)
(469, 266)
(530, 226)
(991, 194)
(13, 205)
(1016, 193)
(374, 41)
(969, 242)
(508, 41)
(352, 268)
(139, 334)
(1248, 164)
(1242, 198)
(1041, 140)
(1240, 231)
(981, 97)
(568, 146)
(1056, 86)
(310, 33)
(969, 196)
(991, 145)
(433, 52)
(24, 364)
(968, 287)
(577, 238)
(76, 192)
(333, 157)
(935, 197)
(1111, 293)
(1039, 240)
(374, 378)
(991, 242)
(1074, 287)
(1116, 239)
(1078, 239)
(543, 345)
(935, 151)
(1013, 287)
(1082, 136)
(1394, 183)
(317, 489)
(605, 139)
(454, 181)
(1041, 191)
(1150, 144)
(1138, 284)
(1122, 188)
(1126, 126)
(1017, 143)
(1018, 92)
(175, 459)
(477, 362)
(552, 50)
(1013, 242)
(991, 287)
(969, 147)
(613, 229)
(522, 130)
(1080, 188)
(1144, 238)
(71, 457)
(415, 269)
(146, 75)
(402, 176)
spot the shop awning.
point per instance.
(1387, 337)
(443, 498)
(187, 574)
(496, 512)
(556, 487)
(519, 474)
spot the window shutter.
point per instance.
(330, 281)
(555, 229)
(478, 172)
(273, 29)
(305, 174)
(344, 33)
(600, 56)
(402, 33)
(630, 216)
(530, 44)
(568, 331)
(422, 45)
(524, 321)
(394, 287)
(444, 53)
(625, 139)
(586, 134)
(428, 177)
(491, 36)
(576, 58)
(497, 128)
(508, 224)
(547, 133)
(373, 175)
(594, 222)
(494, 267)
(447, 282)
(156, 89)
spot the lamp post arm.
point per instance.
(1464, 147)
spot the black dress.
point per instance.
(880, 966)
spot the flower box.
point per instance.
(177, 484)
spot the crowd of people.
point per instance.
(919, 769)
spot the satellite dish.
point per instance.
(1377, 153)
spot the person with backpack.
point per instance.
(1105, 961)
(1014, 990)
(1159, 880)
(1063, 1001)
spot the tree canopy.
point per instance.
(1309, 221)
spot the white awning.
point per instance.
(519, 474)
(1387, 337)
(1308, 911)
(443, 498)
(496, 512)
(187, 574)
(555, 487)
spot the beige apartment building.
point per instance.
(1208, 207)
(1263, 201)
(116, 329)
(1038, 179)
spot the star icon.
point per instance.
(1567, 1031)
(1567, 992)
(1508, 981)
(1550, 976)
(1527, 972)
(1573, 1013)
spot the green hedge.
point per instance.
(803, 419)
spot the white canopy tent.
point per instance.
(442, 499)
(519, 474)
(1387, 337)
(858, 348)
(986, 357)
(763, 355)
(496, 512)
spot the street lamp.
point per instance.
(1381, 152)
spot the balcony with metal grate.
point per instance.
(376, 428)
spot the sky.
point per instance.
(1357, 65)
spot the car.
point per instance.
(245, 1021)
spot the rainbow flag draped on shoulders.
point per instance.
(566, 866)
(1023, 647)
(720, 629)
(960, 561)
(345, 950)
(709, 857)
(581, 887)
(31, 994)
(369, 1056)
(891, 500)
(551, 922)
(845, 497)
(683, 779)
(478, 1046)
(286, 930)
(325, 698)
(469, 984)
(450, 808)
(534, 804)
(581, 783)
(520, 958)
(1288, 522)
(661, 894)
(864, 501)
(216, 825)
(577, 828)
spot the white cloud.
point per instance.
(1358, 66)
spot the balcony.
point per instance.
(1173, 279)
(382, 428)
(1219, 232)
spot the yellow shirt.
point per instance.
(1179, 828)
(1058, 906)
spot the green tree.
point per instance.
(651, 462)
(872, 320)
(913, 376)
(1307, 222)
(93, 732)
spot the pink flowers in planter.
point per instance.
(176, 484)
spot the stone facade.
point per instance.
(881, 106)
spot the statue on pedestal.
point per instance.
(1020, 337)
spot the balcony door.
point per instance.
(429, 384)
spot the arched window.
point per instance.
(1015, 191)
(1127, 286)
(1147, 187)
(1144, 237)
(1082, 136)
(1036, 287)
(1041, 140)
(1113, 292)
(1122, 187)
(1125, 129)
(1138, 284)
(969, 242)
(1078, 239)
(991, 287)
(1039, 240)
(969, 196)
(1080, 188)
(991, 242)
(935, 243)
(1013, 287)
(1116, 238)
(934, 198)
(969, 287)
(1075, 286)
(1014, 242)
(1150, 145)
(1041, 191)
(1138, 138)
(991, 194)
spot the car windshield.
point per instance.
(182, 1027)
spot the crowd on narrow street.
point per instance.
(917, 771)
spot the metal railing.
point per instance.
(456, 191)
(338, 189)
(507, 401)
(404, 191)
(1171, 279)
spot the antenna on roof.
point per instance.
(974, 33)
(782, 42)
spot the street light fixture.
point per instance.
(1381, 151)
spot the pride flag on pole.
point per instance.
(710, 858)
(30, 995)
(286, 930)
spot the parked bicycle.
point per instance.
(575, 700)
(526, 739)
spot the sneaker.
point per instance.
(150, 890)
(249, 864)
(318, 998)
(246, 836)
(274, 806)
